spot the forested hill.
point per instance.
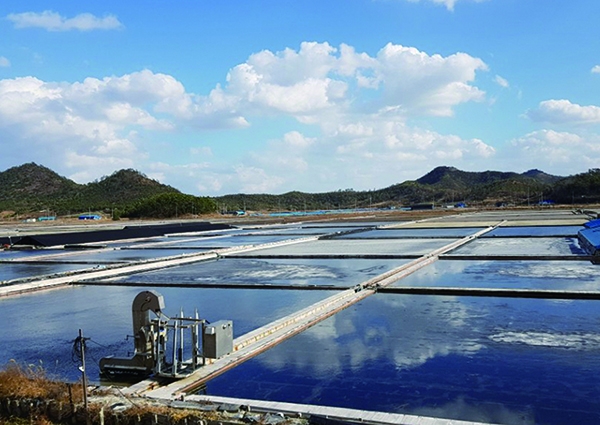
(441, 186)
(32, 187)
(35, 188)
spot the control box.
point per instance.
(217, 340)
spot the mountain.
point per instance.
(35, 188)
(452, 178)
(32, 187)
(442, 185)
(541, 176)
(583, 188)
(123, 187)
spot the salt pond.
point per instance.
(481, 359)
(512, 361)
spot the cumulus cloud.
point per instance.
(596, 69)
(256, 180)
(428, 83)
(297, 140)
(564, 112)
(568, 152)
(358, 107)
(84, 121)
(4, 62)
(319, 78)
(53, 21)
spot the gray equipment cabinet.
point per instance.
(217, 340)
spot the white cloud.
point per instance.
(91, 121)
(564, 112)
(4, 62)
(92, 166)
(319, 78)
(53, 21)
(357, 107)
(433, 84)
(256, 180)
(297, 140)
(562, 152)
(596, 69)
(501, 81)
(208, 178)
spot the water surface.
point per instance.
(551, 275)
(314, 272)
(480, 359)
(44, 325)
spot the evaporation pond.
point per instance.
(9, 271)
(313, 272)
(312, 231)
(26, 254)
(348, 247)
(534, 231)
(545, 275)
(413, 233)
(517, 361)
(521, 246)
(44, 325)
(233, 241)
(123, 255)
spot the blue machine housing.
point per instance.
(589, 239)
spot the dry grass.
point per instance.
(146, 410)
(21, 421)
(31, 382)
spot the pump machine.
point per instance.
(193, 341)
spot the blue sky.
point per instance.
(217, 97)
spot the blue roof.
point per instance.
(89, 217)
(592, 224)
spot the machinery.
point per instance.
(152, 354)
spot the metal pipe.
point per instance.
(180, 353)
(203, 356)
(175, 328)
(195, 342)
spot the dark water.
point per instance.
(491, 360)
(41, 327)
(16, 255)
(22, 270)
